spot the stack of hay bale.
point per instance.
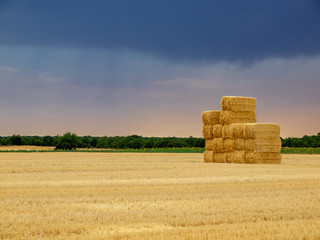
(233, 136)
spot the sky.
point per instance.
(149, 67)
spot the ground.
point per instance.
(156, 196)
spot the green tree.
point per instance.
(69, 141)
(15, 140)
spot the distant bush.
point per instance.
(69, 141)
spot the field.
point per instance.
(79, 195)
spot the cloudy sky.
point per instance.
(149, 67)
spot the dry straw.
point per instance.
(217, 131)
(211, 117)
(262, 130)
(239, 144)
(218, 145)
(208, 156)
(207, 131)
(220, 158)
(233, 136)
(228, 145)
(238, 103)
(229, 117)
(209, 144)
(263, 157)
(239, 156)
(227, 131)
(238, 130)
(249, 145)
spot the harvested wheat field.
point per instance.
(156, 196)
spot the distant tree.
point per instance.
(94, 142)
(15, 140)
(69, 141)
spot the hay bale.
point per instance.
(267, 144)
(219, 158)
(267, 148)
(239, 144)
(209, 145)
(263, 145)
(229, 158)
(234, 103)
(208, 156)
(227, 131)
(249, 145)
(239, 156)
(210, 117)
(228, 145)
(207, 131)
(238, 130)
(217, 131)
(229, 117)
(263, 157)
(218, 145)
(261, 130)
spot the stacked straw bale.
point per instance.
(233, 136)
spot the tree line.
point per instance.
(72, 141)
(312, 141)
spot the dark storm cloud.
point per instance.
(182, 29)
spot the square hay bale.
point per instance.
(209, 145)
(227, 131)
(229, 157)
(263, 157)
(218, 145)
(249, 145)
(229, 117)
(235, 103)
(219, 158)
(262, 130)
(211, 117)
(239, 156)
(208, 156)
(217, 131)
(239, 144)
(267, 144)
(238, 130)
(228, 145)
(207, 131)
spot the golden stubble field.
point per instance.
(156, 196)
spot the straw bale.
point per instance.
(238, 103)
(272, 161)
(261, 130)
(208, 156)
(249, 145)
(218, 145)
(263, 157)
(219, 158)
(227, 131)
(267, 148)
(229, 117)
(229, 157)
(239, 144)
(239, 156)
(268, 141)
(207, 131)
(217, 130)
(238, 130)
(209, 144)
(228, 145)
(248, 130)
(267, 144)
(210, 117)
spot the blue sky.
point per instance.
(151, 67)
